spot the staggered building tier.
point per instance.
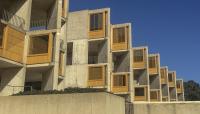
(44, 47)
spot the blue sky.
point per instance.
(168, 27)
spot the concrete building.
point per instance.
(43, 47)
(32, 40)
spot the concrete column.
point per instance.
(12, 81)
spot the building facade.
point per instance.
(44, 47)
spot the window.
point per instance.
(170, 76)
(178, 85)
(119, 80)
(96, 21)
(138, 55)
(69, 53)
(152, 62)
(38, 45)
(139, 92)
(95, 73)
(119, 35)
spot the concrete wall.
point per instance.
(12, 77)
(167, 108)
(85, 103)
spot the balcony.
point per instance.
(120, 38)
(141, 93)
(140, 58)
(120, 83)
(154, 95)
(164, 73)
(40, 49)
(153, 65)
(97, 25)
(43, 15)
(11, 43)
(96, 75)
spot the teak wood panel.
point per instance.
(142, 64)
(163, 73)
(121, 45)
(99, 33)
(42, 58)
(96, 82)
(13, 44)
(142, 98)
(155, 69)
(154, 95)
(118, 89)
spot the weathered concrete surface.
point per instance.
(167, 108)
(82, 103)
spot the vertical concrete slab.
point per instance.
(12, 81)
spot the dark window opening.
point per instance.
(96, 21)
(69, 53)
(139, 92)
(138, 56)
(119, 35)
(95, 73)
(33, 86)
(120, 80)
(38, 45)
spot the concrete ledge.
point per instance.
(80, 103)
(167, 108)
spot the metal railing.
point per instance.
(39, 24)
(13, 19)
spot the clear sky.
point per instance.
(168, 27)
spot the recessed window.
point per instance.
(96, 21)
(69, 53)
(95, 73)
(119, 35)
(119, 80)
(38, 45)
(138, 55)
(139, 92)
(152, 62)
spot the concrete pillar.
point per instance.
(12, 81)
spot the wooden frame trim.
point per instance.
(141, 98)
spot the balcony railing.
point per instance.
(39, 25)
(13, 19)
